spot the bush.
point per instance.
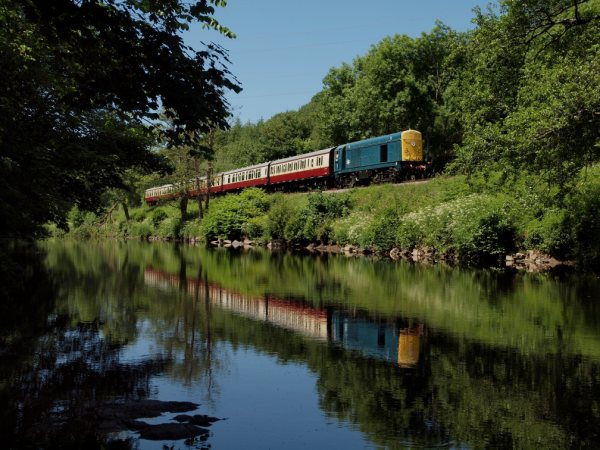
(229, 216)
(157, 215)
(476, 228)
(328, 206)
(584, 218)
(381, 232)
(140, 229)
(409, 234)
(255, 228)
(76, 217)
(349, 229)
(548, 233)
(139, 214)
(278, 217)
(314, 222)
(169, 228)
(192, 229)
(485, 237)
(88, 226)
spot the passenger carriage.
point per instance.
(237, 179)
(153, 195)
(308, 169)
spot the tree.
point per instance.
(401, 83)
(530, 96)
(82, 85)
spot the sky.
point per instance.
(284, 48)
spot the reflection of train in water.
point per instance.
(377, 339)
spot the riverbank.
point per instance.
(473, 221)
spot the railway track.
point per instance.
(401, 183)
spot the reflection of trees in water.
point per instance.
(72, 369)
(186, 336)
(515, 388)
(104, 282)
(62, 338)
(458, 393)
(467, 392)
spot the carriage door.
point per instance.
(340, 159)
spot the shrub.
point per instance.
(255, 228)
(410, 233)
(169, 228)
(349, 229)
(584, 218)
(191, 229)
(278, 217)
(139, 214)
(76, 217)
(141, 229)
(548, 233)
(476, 228)
(314, 222)
(484, 237)
(88, 227)
(328, 206)
(228, 216)
(381, 232)
(157, 215)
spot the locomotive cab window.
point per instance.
(383, 153)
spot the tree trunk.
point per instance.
(208, 185)
(199, 199)
(183, 203)
(126, 211)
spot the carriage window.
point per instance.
(383, 153)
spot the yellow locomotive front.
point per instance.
(412, 146)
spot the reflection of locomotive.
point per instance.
(381, 340)
(377, 339)
(386, 158)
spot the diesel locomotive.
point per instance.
(390, 158)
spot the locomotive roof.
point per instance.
(373, 141)
(303, 155)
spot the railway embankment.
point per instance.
(477, 221)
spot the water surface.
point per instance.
(298, 351)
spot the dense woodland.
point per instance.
(102, 99)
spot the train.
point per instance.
(389, 158)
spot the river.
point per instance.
(293, 351)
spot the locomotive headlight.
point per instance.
(413, 143)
